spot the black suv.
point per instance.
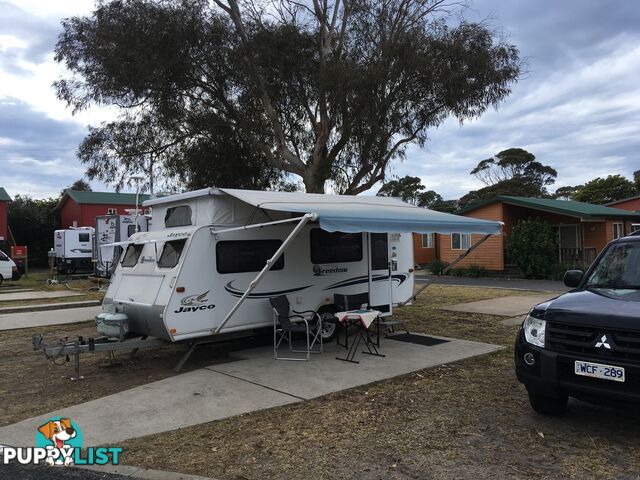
(586, 343)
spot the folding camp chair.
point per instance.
(287, 321)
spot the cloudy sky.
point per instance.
(577, 108)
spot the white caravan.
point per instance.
(214, 257)
(111, 229)
(73, 249)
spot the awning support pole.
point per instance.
(449, 267)
(294, 233)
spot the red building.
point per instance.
(4, 229)
(632, 203)
(80, 209)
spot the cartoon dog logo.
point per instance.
(58, 432)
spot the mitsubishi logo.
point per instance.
(603, 343)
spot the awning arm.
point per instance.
(294, 233)
(449, 267)
(260, 225)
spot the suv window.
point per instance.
(131, 255)
(171, 253)
(3, 257)
(619, 267)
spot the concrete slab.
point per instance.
(324, 374)
(49, 306)
(517, 320)
(254, 381)
(12, 321)
(35, 295)
(142, 473)
(504, 306)
(15, 290)
(177, 402)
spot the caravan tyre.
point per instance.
(329, 326)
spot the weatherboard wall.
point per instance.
(423, 256)
(85, 214)
(632, 204)
(490, 254)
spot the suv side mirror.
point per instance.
(572, 278)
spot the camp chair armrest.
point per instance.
(307, 312)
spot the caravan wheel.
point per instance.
(329, 326)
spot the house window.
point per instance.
(427, 240)
(460, 241)
(178, 216)
(112, 211)
(236, 256)
(171, 253)
(335, 247)
(618, 230)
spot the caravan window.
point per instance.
(131, 229)
(83, 237)
(171, 253)
(335, 247)
(131, 255)
(238, 256)
(178, 216)
(379, 251)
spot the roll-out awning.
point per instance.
(352, 214)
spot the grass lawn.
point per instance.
(466, 420)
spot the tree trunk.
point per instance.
(313, 181)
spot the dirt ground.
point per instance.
(466, 420)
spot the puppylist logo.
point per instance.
(59, 443)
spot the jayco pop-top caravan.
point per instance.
(214, 257)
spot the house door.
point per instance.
(380, 285)
(568, 243)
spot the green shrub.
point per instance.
(531, 246)
(472, 271)
(476, 271)
(437, 266)
(458, 272)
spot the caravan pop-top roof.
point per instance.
(347, 213)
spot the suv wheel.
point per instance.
(548, 405)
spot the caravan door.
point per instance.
(380, 286)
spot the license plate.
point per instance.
(598, 370)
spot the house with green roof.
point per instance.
(582, 229)
(80, 209)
